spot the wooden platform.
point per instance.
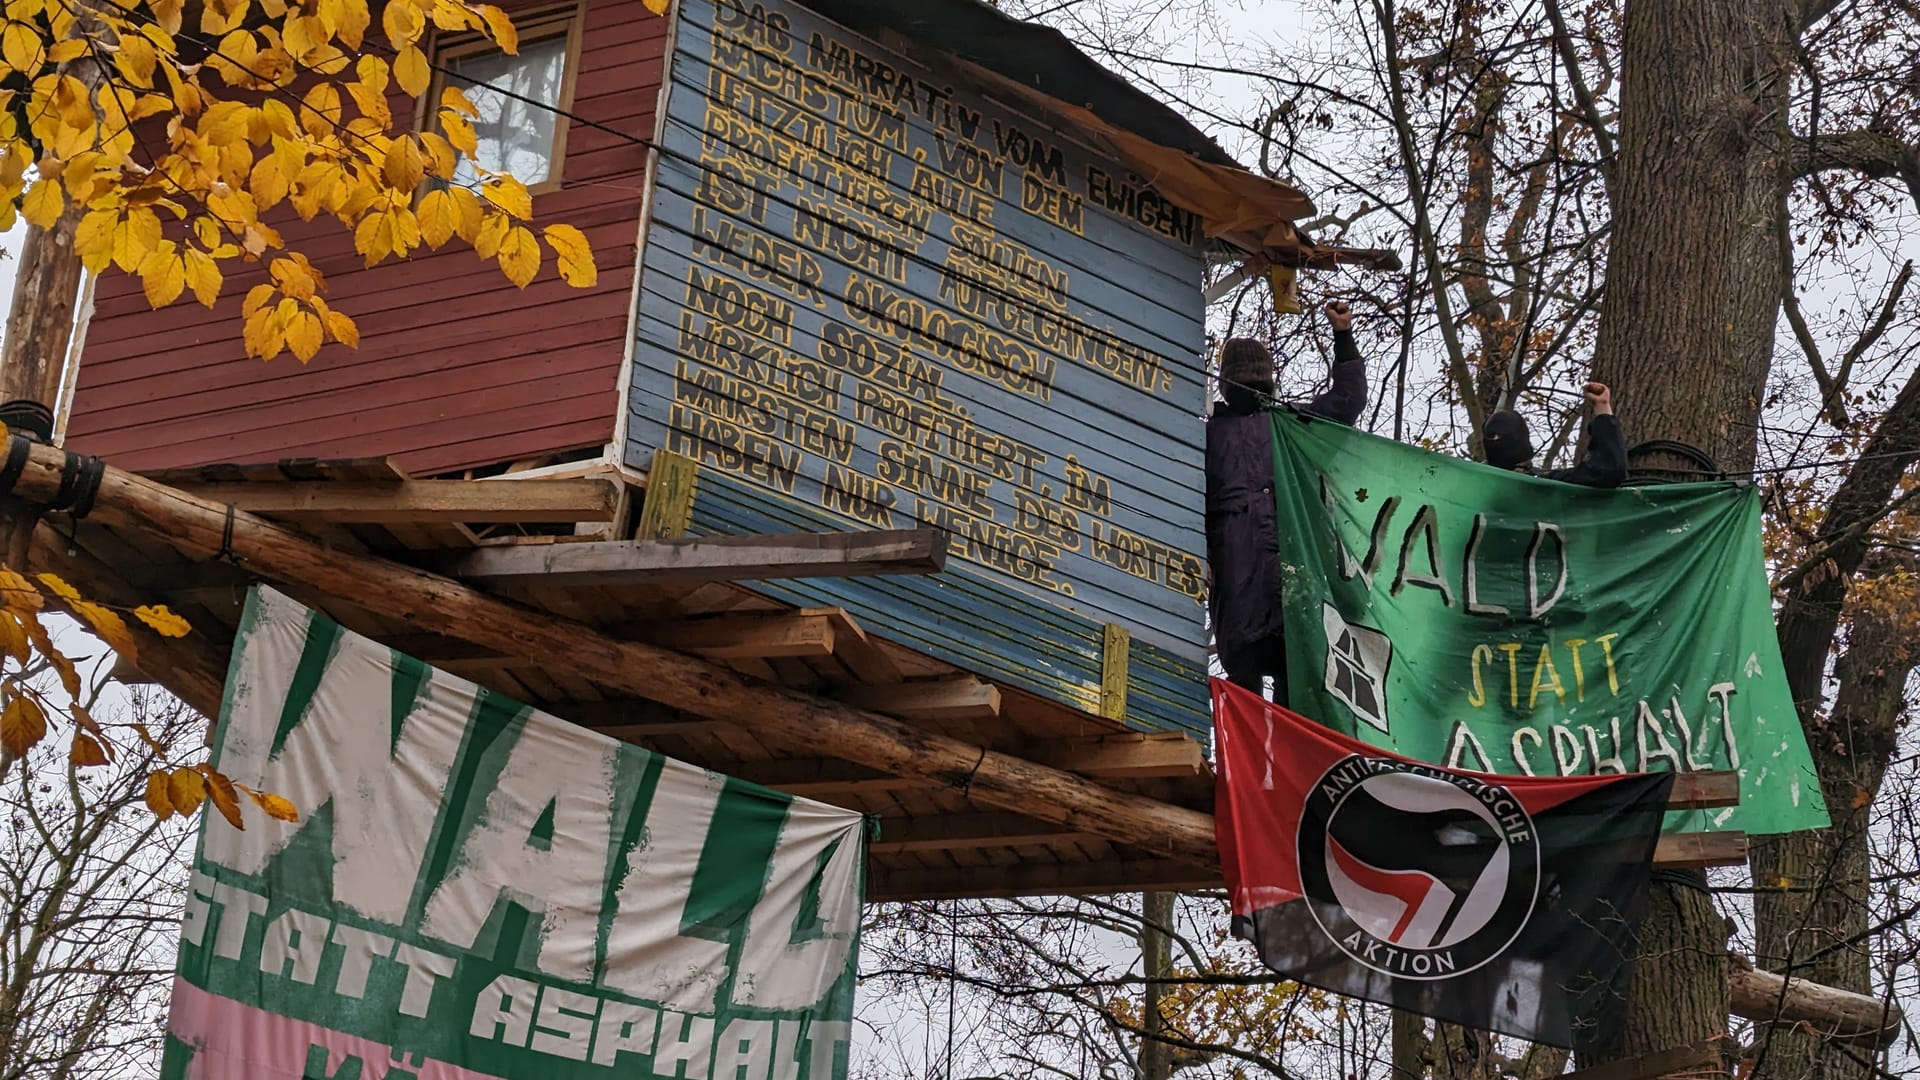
(554, 545)
(934, 840)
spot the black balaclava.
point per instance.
(1508, 445)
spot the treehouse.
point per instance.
(874, 453)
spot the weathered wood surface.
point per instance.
(799, 723)
(1674, 1059)
(1775, 999)
(1694, 851)
(422, 501)
(1004, 348)
(960, 697)
(869, 747)
(719, 558)
(456, 366)
(193, 668)
(794, 722)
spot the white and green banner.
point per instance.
(478, 889)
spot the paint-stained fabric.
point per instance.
(1480, 618)
(477, 889)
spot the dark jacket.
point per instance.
(1243, 543)
(1605, 465)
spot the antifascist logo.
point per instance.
(1416, 872)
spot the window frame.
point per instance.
(533, 24)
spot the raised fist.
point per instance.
(1340, 315)
(1599, 397)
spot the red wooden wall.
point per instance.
(456, 367)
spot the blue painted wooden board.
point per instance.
(872, 298)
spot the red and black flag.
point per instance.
(1502, 903)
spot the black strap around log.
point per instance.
(18, 450)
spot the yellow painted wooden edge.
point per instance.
(1115, 644)
(667, 510)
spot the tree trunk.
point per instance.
(40, 325)
(39, 331)
(1156, 959)
(1685, 341)
(1686, 331)
(1810, 913)
(1409, 1045)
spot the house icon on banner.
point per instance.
(1357, 661)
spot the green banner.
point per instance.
(476, 889)
(1488, 620)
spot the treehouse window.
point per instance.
(520, 98)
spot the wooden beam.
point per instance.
(1695, 851)
(824, 778)
(1767, 998)
(419, 502)
(952, 832)
(784, 720)
(745, 637)
(1674, 1059)
(859, 654)
(962, 697)
(633, 719)
(1131, 756)
(1038, 879)
(710, 558)
(193, 668)
(199, 577)
(1705, 790)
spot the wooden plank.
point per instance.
(1705, 790)
(667, 511)
(606, 563)
(193, 667)
(745, 637)
(861, 655)
(1116, 643)
(946, 832)
(642, 731)
(1132, 756)
(422, 501)
(1694, 851)
(782, 720)
(824, 778)
(277, 472)
(1039, 879)
(1768, 998)
(962, 697)
(1651, 1066)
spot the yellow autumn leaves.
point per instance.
(24, 716)
(310, 128)
(183, 790)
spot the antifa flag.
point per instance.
(1504, 904)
